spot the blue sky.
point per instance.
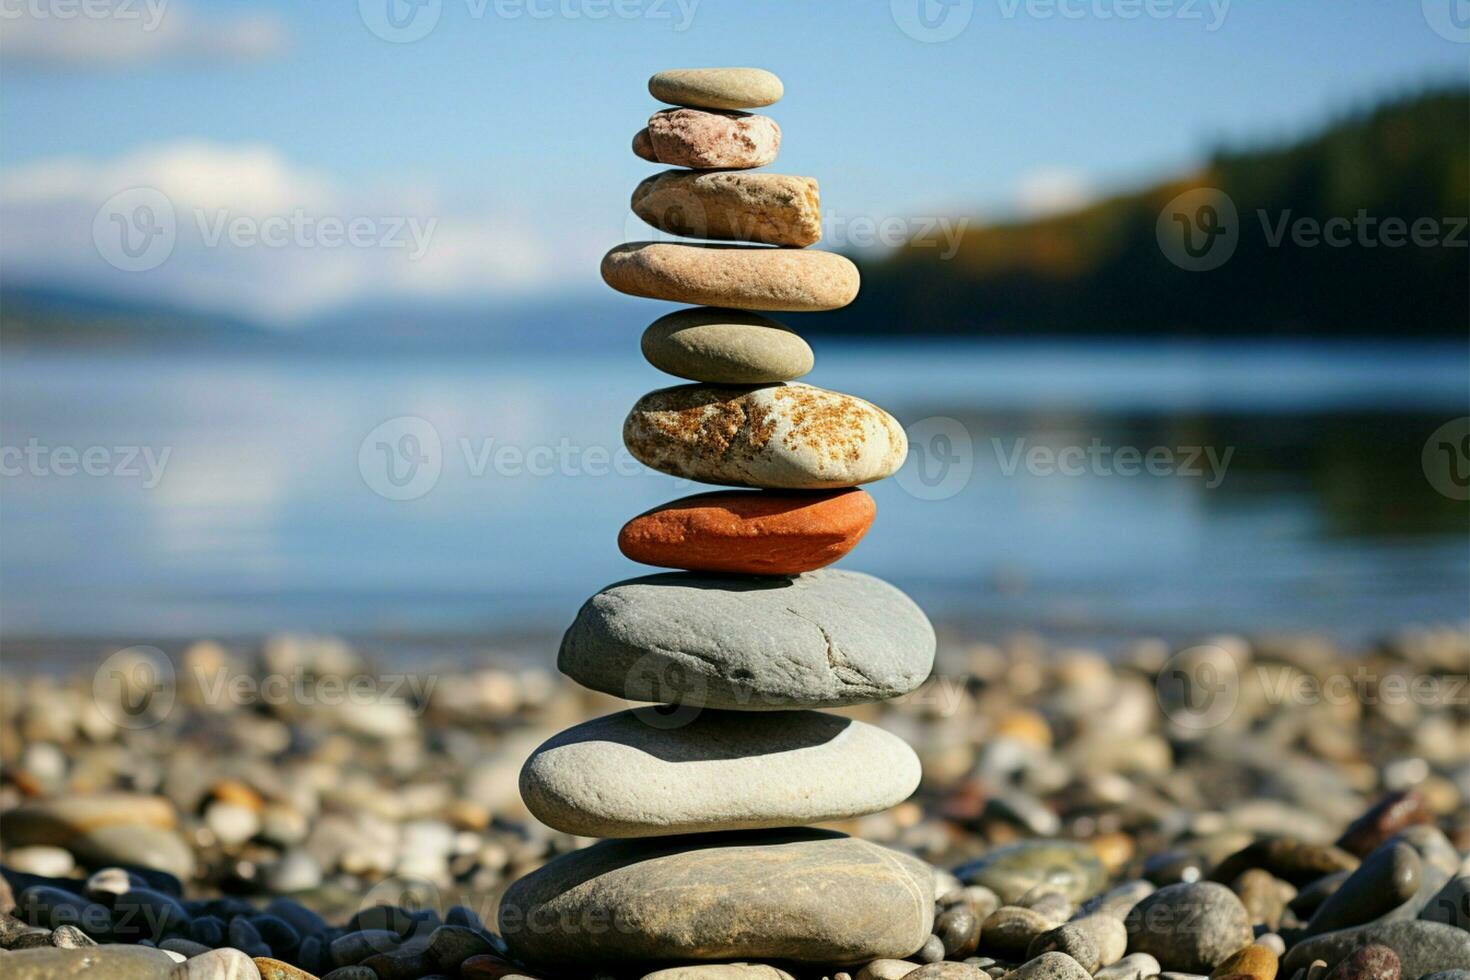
(519, 112)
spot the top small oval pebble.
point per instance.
(716, 88)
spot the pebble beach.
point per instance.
(298, 811)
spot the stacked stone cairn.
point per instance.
(706, 797)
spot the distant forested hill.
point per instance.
(1102, 270)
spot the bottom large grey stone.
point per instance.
(804, 896)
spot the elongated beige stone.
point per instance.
(805, 896)
(704, 139)
(726, 347)
(773, 209)
(750, 277)
(789, 436)
(717, 88)
(618, 776)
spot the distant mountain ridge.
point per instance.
(1102, 270)
(1098, 271)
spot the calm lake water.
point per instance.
(1286, 492)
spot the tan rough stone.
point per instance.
(749, 277)
(789, 437)
(704, 140)
(773, 209)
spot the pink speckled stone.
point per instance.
(703, 139)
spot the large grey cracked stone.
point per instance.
(624, 776)
(804, 896)
(823, 639)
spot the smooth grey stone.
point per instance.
(350, 973)
(302, 919)
(1189, 927)
(50, 907)
(1422, 947)
(1134, 966)
(217, 964)
(1066, 867)
(1439, 862)
(725, 347)
(618, 776)
(1010, 930)
(801, 895)
(409, 962)
(1386, 879)
(823, 639)
(136, 844)
(186, 946)
(142, 913)
(1451, 904)
(932, 951)
(1311, 897)
(449, 946)
(94, 963)
(721, 971)
(1093, 940)
(1050, 966)
(1117, 901)
(1070, 940)
(958, 929)
(354, 947)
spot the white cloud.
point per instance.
(1052, 190)
(252, 234)
(94, 35)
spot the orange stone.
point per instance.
(750, 532)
